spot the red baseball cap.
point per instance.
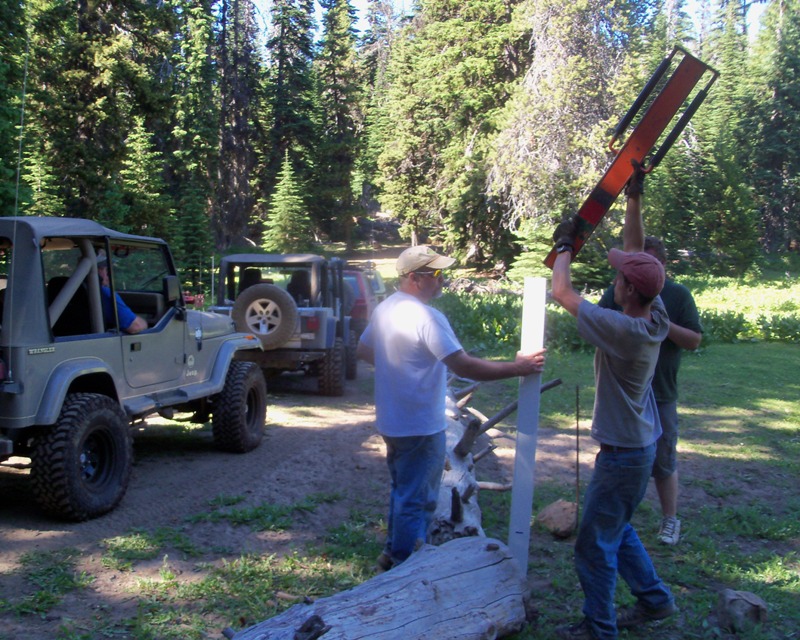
(641, 269)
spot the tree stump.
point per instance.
(457, 511)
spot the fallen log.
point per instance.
(467, 588)
(473, 430)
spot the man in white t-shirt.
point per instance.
(412, 345)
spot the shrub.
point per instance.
(779, 327)
(723, 326)
(483, 321)
(490, 322)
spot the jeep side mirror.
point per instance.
(172, 289)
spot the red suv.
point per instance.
(365, 300)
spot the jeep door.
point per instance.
(154, 356)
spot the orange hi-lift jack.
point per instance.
(644, 136)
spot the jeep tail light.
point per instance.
(312, 323)
(3, 370)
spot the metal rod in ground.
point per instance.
(577, 454)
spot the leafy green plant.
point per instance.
(723, 326)
(731, 311)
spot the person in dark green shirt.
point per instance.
(685, 332)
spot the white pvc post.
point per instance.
(519, 533)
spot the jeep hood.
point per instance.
(211, 325)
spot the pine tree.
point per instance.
(774, 126)
(725, 212)
(289, 90)
(289, 228)
(374, 50)
(672, 190)
(406, 157)
(341, 120)
(147, 206)
(195, 141)
(553, 145)
(42, 190)
(450, 73)
(234, 199)
(12, 66)
(93, 66)
(375, 44)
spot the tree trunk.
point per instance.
(466, 588)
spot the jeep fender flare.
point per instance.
(61, 379)
(227, 354)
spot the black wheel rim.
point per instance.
(96, 459)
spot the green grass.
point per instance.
(51, 575)
(262, 517)
(740, 429)
(739, 451)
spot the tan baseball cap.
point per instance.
(421, 257)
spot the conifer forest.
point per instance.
(474, 124)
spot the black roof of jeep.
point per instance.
(272, 258)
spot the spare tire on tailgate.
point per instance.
(267, 312)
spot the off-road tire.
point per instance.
(80, 468)
(267, 312)
(240, 409)
(351, 360)
(331, 370)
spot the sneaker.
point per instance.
(638, 615)
(578, 631)
(670, 531)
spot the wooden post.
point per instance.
(519, 532)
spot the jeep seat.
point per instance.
(75, 319)
(299, 286)
(248, 278)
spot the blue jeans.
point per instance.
(415, 465)
(607, 544)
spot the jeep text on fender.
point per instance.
(72, 379)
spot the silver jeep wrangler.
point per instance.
(73, 381)
(298, 306)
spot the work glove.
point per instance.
(565, 234)
(635, 186)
